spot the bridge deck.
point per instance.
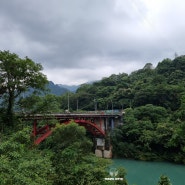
(70, 116)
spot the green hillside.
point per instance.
(154, 103)
(161, 86)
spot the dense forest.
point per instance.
(153, 102)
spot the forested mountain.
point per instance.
(162, 86)
(154, 103)
(56, 89)
(71, 88)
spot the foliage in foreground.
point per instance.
(164, 180)
(22, 165)
(65, 158)
(73, 158)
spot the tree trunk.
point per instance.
(10, 114)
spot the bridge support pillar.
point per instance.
(107, 153)
(101, 151)
(104, 153)
(106, 124)
(112, 123)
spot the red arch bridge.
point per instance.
(97, 123)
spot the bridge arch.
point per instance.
(46, 131)
(91, 127)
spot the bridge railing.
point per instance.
(116, 111)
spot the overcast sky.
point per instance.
(77, 41)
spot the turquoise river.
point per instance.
(148, 173)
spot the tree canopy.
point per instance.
(17, 76)
(73, 158)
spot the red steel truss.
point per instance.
(40, 134)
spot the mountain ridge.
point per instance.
(71, 88)
(56, 89)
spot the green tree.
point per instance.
(164, 67)
(164, 180)
(21, 164)
(155, 114)
(121, 174)
(17, 76)
(73, 158)
(40, 104)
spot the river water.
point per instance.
(148, 173)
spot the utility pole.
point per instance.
(68, 101)
(77, 105)
(95, 104)
(112, 106)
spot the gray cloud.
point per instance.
(79, 41)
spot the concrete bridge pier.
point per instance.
(103, 146)
(101, 149)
